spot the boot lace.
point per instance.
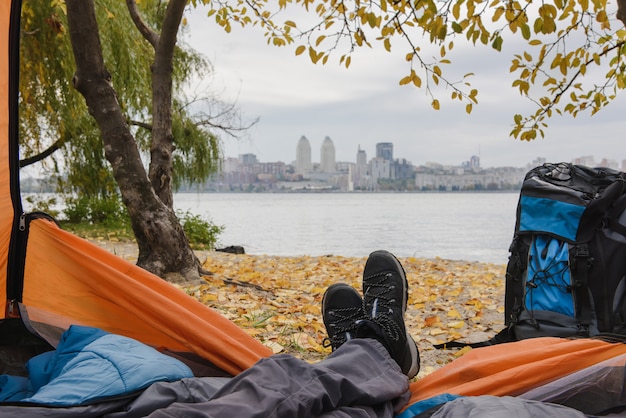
(344, 325)
(383, 306)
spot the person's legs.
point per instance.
(359, 376)
(363, 377)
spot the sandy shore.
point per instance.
(278, 299)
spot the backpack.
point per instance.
(566, 274)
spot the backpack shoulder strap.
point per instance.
(504, 336)
(581, 263)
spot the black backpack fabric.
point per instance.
(566, 275)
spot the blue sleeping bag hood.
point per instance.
(88, 365)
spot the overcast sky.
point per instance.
(364, 105)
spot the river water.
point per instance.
(458, 226)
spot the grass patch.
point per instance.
(112, 231)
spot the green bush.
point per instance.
(95, 210)
(202, 233)
(91, 217)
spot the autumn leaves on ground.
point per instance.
(278, 300)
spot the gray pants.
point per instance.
(357, 380)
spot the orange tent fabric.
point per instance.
(514, 368)
(68, 276)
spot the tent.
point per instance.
(51, 280)
(54, 278)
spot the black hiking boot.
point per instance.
(385, 291)
(342, 307)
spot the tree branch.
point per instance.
(162, 142)
(144, 125)
(150, 35)
(171, 24)
(36, 158)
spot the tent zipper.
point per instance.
(17, 253)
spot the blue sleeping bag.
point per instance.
(88, 365)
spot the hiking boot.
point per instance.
(342, 307)
(385, 294)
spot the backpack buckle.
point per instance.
(581, 251)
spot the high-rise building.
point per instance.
(248, 159)
(303, 156)
(327, 157)
(360, 176)
(384, 150)
(361, 157)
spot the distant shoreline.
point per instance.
(129, 251)
(306, 191)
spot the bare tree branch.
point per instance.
(171, 24)
(140, 124)
(150, 35)
(162, 142)
(46, 153)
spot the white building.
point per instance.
(327, 157)
(303, 156)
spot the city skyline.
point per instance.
(304, 153)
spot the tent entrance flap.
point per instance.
(17, 346)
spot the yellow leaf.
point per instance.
(208, 298)
(436, 331)
(453, 313)
(456, 324)
(497, 14)
(463, 351)
(405, 80)
(274, 346)
(313, 55)
(456, 10)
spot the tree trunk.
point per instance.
(621, 11)
(162, 146)
(163, 246)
